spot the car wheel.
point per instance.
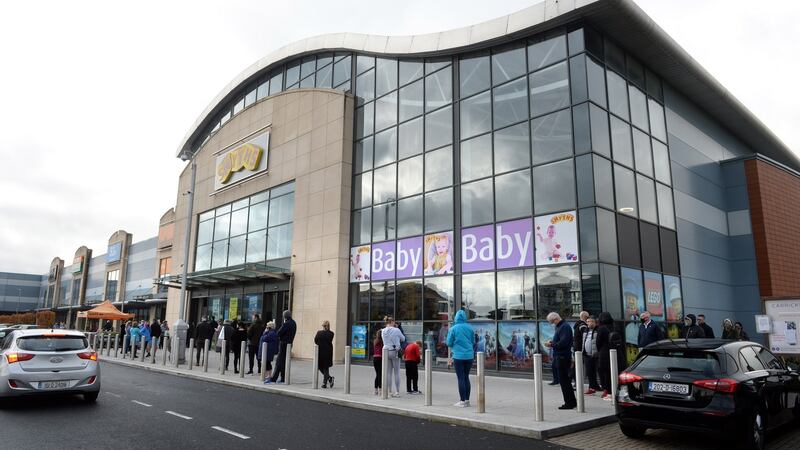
(632, 431)
(91, 397)
(753, 432)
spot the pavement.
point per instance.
(142, 409)
(509, 401)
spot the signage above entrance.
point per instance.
(242, 161)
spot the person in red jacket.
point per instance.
(413, 357)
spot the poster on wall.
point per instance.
(233, 305)
(517, 345)
(359, 263)
(485, 341)
(654, 295)
(556, 238)
(358, 342)
(632, 293)
(674, 299)
(216, 308)
(438, 253)
(114, 252)
(785, 318)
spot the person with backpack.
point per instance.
(607, 339)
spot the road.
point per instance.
(142, 409)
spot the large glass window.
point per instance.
(386, 76)
(478, 295)
(409, 300)
(552, 137)
(439, 295)
(559, 291)
(384, 218)
(385, 184)
(666, 212)
(553, 187)
(657, 126)
(549, 89)
(386, 111)
(476, 203)
(474, 75)
(617, 95)
(410, 139)
(476, 115)
(625, 190)
(438, 89)
(411, 100)
(386, 147)
(439, 128)
(513, 195)
(515, 294)
(621, 142)
(476, 158)
(512, 148)
(510, 103)
(646, 191)
(507, 65)
(439, 210)
(438, 169)
(661, 162)
(544, 53)
(642, 154)
(409, 214)
(409, 176)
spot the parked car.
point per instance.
(35, 362)
(738, 390)
(5, 331)
(24, 326)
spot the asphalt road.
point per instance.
(145, 410)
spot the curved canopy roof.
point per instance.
(622, 20)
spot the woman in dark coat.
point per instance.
(324, 339)
(603, 347)
(270, 337)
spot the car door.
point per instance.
(786, 390)
(768, 384)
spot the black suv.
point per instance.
(735, 389)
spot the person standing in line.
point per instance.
(218, 327)
(324, 339)
(145, 329)
(165, 334)
(691, 330)
(707, 330)
(254, 332)
(604, 352)
(649, 332)
(271, 338)
(377, 361)
(392, 341)
(562, 350)
(412, 356)
(155, 332)
(286, 336)
(728, 331)
(135, 335)
(240, 336)
(228, 335)
(740, 333)
(577, 340)
(205, 331)
(590, 354)
(461, 340)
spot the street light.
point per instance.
(180, 328)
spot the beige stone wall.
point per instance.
(310, 143)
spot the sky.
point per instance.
(96, 96)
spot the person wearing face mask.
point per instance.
(649, 332)
(690, 329)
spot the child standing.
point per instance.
(413, 357)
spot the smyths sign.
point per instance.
(506, 245)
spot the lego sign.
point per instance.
(242, 161)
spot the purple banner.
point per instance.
(383, 260)
(409, 257)
(514, 244)
(477, 248)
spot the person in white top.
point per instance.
(392, 339)
(590, 354)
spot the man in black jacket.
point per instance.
(254, 333)
(205, 332)
(562, 354)
(649, 332)
(285, 336)
(691, 330)
(707, 330)
(155, 333)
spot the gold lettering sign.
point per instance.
(248, 156)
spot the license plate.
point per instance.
(53, 384)
(670, 388)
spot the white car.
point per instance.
(37, 362)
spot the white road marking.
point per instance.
(113, 394)
(178, 415)
(140, 403)
(232, 433)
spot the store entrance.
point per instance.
(275, 303)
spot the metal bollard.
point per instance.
(116, 346)
(347, 369)
(264, 361)
(222, 355)
(190, 355)
(538, 399)
(242, 354)
(165, 350)
(614, 375)
(206, 349)
(314, 365)
(108, 347)
(124, 346)
(481, 382)
(579, 382)
(100, 347)
(428, 377)
(142, 347)
(385, 373)
(288, 367)
(176, 346)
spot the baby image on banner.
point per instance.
(556, 238)
(485, 341)
(517, 345)
(359, 263)
(632, 293)
(654, 295)
(439, 253)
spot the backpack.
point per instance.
(615, 340)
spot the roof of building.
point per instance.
(622, 20)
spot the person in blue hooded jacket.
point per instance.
(133, 340)
(271, 338)
(461, 341)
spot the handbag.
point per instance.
(400, 352)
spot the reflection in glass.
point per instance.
(666, 213)
(386, 111)
(638, 108)
(205, 232)
(584, 176)
(409, 300)
(603, 182)
(476, 115)
(617, 94)
(657, 127)
(559, 291)
(363, 158)
(409, 213)
(439, 210)
(385, 179)
(552, 137)
(439, 128)
(279, 242)
(625, 190)
(599, 123)
(646, 192)
(362, 222)
(512, 148)
(281, 210)
(438, 89)
(597, 81)
(478, 295)
(476, 203)
(621, 142)
(362, 190)
(476, 158)
(474, 74)
(239, 222)
(549, 89)
(409, 176)
(439, 169)
(385, 147)
(410, 71)
(544, 53)
(236, 250)
(219, 255)
(221, 226)
(410, 139)
(381, 301)
(606, 235)
(439, 295)
(515, 294)
(384, 218)
(386, 76)
(325, 77)
(365, 120)
(554, 187)
(202, 259)
(513, 195)
(257, 246)
(510, 103)
(411, 101)
(587, 222)
(641, 153)
(661, 162)
(508, 65)
(341, 71)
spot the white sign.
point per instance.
(241, 161)
(763, 324)
(785, 317)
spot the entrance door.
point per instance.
(275, 303)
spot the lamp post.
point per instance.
(181, 328)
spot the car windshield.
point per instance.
(680, 361)
(52, 343)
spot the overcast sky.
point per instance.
(95, 96)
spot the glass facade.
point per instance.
(530, 178)
(251, 230)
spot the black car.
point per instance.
(735, 389)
